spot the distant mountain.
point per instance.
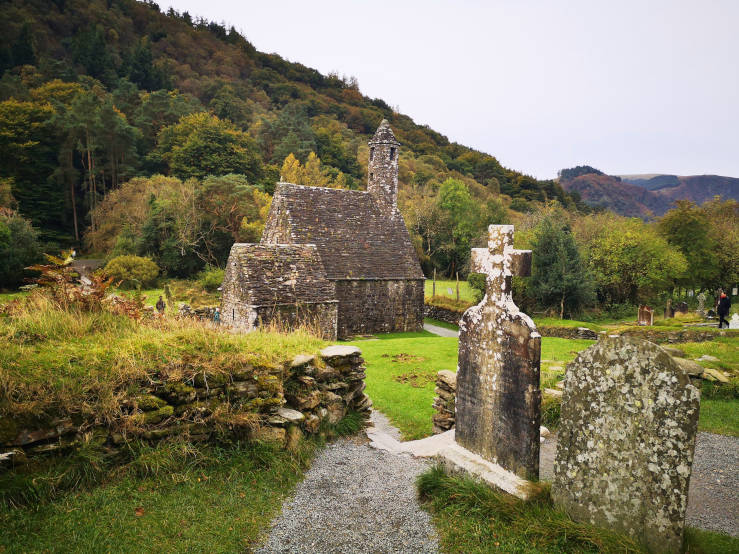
(644, 196)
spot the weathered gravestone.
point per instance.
(626, 439)
(498, 396)
(646, 316)
(669, 311)
(701, 303)
(734, 322)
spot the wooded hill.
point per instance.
(644, 197)
(97, 92)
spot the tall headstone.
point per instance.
(734, 322)
(669, 312)
(498, 396)
(626, 439)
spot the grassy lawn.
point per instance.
(401, 373)
(211, 500)
(466, 292)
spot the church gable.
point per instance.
(355, 238)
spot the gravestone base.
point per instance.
(456, 459)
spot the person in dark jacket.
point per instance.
(724, 305)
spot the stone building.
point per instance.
(282, 283)
(363, 246)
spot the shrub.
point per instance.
(19, 248)
(477, 283)
(210, 278)
(132, 271)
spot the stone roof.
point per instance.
(355, 240)
(384, 134)
(271, 274)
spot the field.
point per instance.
(466, 292)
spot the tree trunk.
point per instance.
(562, 307)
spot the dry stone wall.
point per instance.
(276, 403)
(444, 403)
(627, 432)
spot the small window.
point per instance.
(372, 153)
(392, 153)
(372, 176)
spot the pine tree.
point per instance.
(559, 279)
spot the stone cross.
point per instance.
(500, 262)
(498, 396)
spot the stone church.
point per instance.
(340, 258)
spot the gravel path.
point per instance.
(355, 499)
(713, 498)
(441, 331)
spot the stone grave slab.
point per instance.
(627, 433)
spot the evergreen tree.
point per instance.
(23, 52)
(559, 279)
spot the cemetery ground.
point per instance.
(181, 496)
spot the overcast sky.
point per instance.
(627, 86)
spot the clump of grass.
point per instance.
(472, 517)
(550, 411)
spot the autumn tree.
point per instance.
(201, 144)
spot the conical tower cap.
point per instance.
(384, 134)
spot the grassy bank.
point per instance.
(67, 362)
(466, 292)
(173, 498)
(473, 518)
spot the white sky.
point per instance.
(627, 86)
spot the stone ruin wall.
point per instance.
(280, 403)
(370, 306)
(322, 316)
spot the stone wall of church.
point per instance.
(322, 317)
(368, 306)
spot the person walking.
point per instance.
(161, 306)
(217, 316)
(724, 305)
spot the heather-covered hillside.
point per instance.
(644, 197)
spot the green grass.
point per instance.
(473, 518)
(569, 323)
(466, 292)
(556, 353)
(401, 372)
(719, 416)
(9, 296)
(212, 500)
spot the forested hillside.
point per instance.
(96, 97)
(647, 197)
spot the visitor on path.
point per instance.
(217, 316)
(724, 305)
(161, 306)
